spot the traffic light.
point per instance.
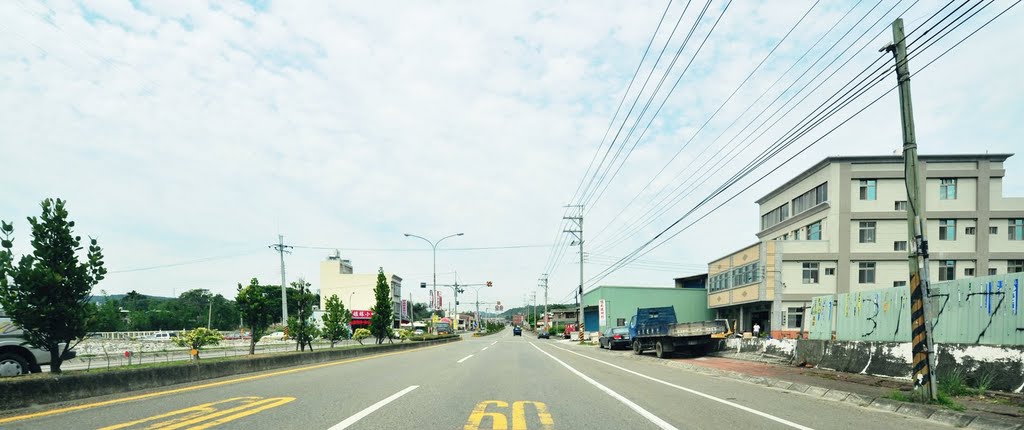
(488, 283)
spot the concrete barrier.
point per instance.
(48, 388)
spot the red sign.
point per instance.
(363, 315)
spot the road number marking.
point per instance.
(206, 415)
(464, 358)
(500, 422)
(363, 413)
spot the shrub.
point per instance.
(198, 338)
(360, 335)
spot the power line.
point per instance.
(478, 248)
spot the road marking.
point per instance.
(485, 348)
(464, 358)
(207, 412)
(493, 343)
(203, 386)
(500, 422)
(695, 392)
(363, 413)
(476, 418)
(662, 424)
(519, 415)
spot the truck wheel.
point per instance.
(659, 350)
(12, 365)
(636, 348)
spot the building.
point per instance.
(356, 290)
(621, 303)
(841, 226)
(695, 281)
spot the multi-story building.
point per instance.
(841, 226)
(356, 289)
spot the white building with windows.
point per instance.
(841, 226)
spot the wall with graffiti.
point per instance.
(983, 310)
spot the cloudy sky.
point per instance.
(187, 135)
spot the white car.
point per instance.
(18, 358)
(159, 337)
(277, 335)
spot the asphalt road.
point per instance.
(498, 381)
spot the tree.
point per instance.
(299, 326)
(383, 308)
(361, 333)
(47, 293)
(255, 309)
(197, 338)
(106, 316)
(336, 320)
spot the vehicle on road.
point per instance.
(543, 334)
(569, 332)
(614, 337)
(163, 336)
(517, 331)
(277, 335)
(657, 329)
(418, 332)
(17, 357)
(443, 328)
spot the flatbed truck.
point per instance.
(657, 329)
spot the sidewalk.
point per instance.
(994, 410)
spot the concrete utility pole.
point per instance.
(544, 285)
(921, 325)
(281, 249)
(577, 232)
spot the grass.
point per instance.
(899, 396)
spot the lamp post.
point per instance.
(433, 245)
(476, 289)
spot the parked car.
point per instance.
(614, 337)
(17, 357)
(163, 336)
(543, 334)
(517, 331)
(418, 332)
(277, 335)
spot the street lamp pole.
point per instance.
(433, 245)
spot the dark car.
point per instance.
(543, 334)
(614, 337)
(517, 331)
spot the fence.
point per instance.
(983, 310)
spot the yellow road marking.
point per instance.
(279, 401)
(187, 414)
(203, 386)
(498, 419)
(519, 415)
(206, 412)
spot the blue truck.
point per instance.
(657, 329)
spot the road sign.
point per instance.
(602, 313)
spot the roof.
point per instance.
(693, 277)
(863, 159)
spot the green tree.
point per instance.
(255, 309)
(107, 316)
(197, 338)
(383, 308)
(47, 293)
(360, 335)
(299, 326)
(336, 320)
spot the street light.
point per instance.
(433, 245)
(477, 291)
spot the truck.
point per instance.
(17, 357)
(657, 329)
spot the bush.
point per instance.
(360, 335)
(198, 338)
(556, 330)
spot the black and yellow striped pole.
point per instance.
(924, 360)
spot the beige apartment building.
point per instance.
(355, 289)
(841, 226)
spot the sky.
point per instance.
(187, 135)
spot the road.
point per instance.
(498, 381)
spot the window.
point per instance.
(947, 270)
(810, 199)
(947, 189)
(794, 317)
(796, 234)
(620, 322)
(968, 271)
(814, 231)
(899, 283)
(830, 271)
(746, 274)
(776, 216)
(899, 245)
(993, 230)
(1015, 231)
(867, 232)
(947, 229)
(867, 189)
(970, 231)
(992, 272)
(866, 273)
(719, 282)
(901, 205)
(810, 273)
(1014, 266)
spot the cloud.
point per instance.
(200, 130)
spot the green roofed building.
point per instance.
(621, 302)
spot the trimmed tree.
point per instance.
(299, 326)
(254, 306)
(360, 335)
(335, 320)
(383, 309)
(197, 338)
(47, 293)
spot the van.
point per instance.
(17, 357)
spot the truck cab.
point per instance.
(16, 356)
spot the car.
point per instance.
(162, 336)
(277, 335)
(17, 357)
(543, 334)
(614, 337)
(418, 332)
(517, 331)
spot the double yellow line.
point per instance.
(207, 415)
(202, 386)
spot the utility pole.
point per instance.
(209, 315)
(281, 249)
(921, 325)
(544, 285)
(577, 231)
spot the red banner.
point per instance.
(362, 315)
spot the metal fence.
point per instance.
(982, 310)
